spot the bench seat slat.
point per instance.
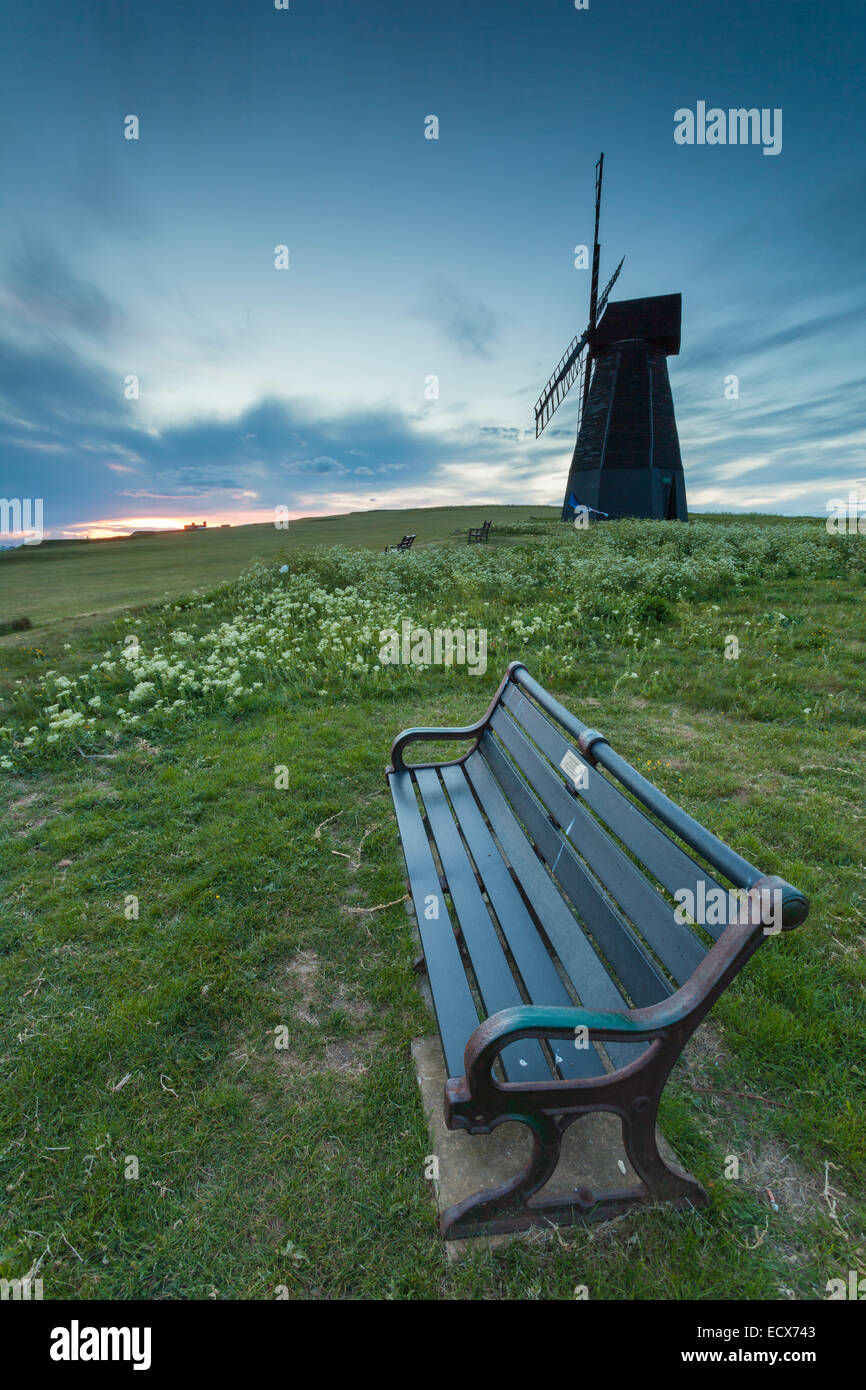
(540, 977)
(669, 864)
(640, 976)
(456, 1014)
(594, 986)
(524, 1060)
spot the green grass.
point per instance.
(261, 1167)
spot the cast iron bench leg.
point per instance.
(505, 1208)
(508, 1208)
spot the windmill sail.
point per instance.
(560, 383)
(596, 248)
(607, 289)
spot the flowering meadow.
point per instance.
(312, 625)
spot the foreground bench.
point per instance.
(479, 533)
(544, 887)
(405, 544)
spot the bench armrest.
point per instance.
(477, 1095)
(422, 735)
(469, 731)
(561, 1021)
(677, 1015)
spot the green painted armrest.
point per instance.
(676, 1015)
(544, 1021)
(477, 1095)
(470, 731)
(423, 735)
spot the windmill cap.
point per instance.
(655, 320)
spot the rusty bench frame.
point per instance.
(479, 1101)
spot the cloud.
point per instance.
(52, 390)
(46, 292)
(322, 464)
(510, 432)
(67, 431)
(729, 343)
(469, 324)
(737, 467)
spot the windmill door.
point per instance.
(669, 497)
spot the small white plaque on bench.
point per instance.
(575, 769)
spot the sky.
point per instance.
(413, 258)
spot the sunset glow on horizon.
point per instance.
(106, 528)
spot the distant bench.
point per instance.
(405, 544)
(544, 876)
(479, 533)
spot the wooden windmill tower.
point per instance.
(626, 460)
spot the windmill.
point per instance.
(626, 461)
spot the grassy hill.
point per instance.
(169, 903)
(59, 582)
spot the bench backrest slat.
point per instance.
(673, 868)
(676, 946)
(593, 986)
(620, 947)
(724, 859)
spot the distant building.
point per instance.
(195, 526)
